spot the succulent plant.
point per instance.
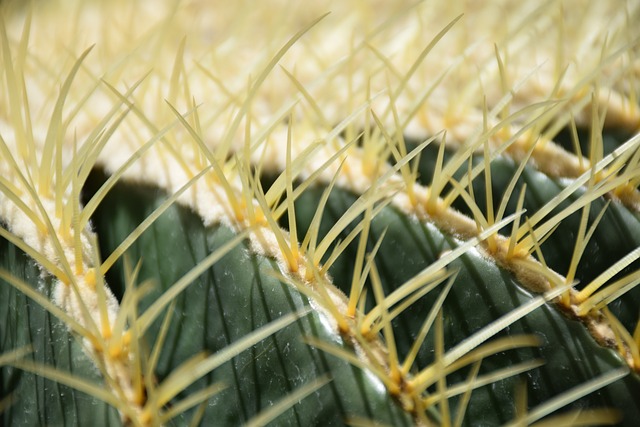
(261, 212)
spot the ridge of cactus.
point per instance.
(257, 213)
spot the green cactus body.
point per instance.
(263, 214)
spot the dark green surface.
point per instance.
(617, 234)
(240, 293)
(38, 401)
(236, 296)
(481, 294)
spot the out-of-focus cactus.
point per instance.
(393, 214)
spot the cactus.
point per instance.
(390, 214)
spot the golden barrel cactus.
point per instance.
(319, 213)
